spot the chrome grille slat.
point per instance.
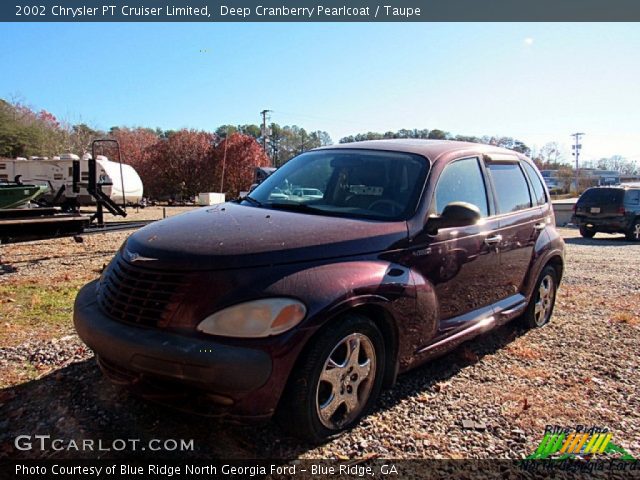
(125, 291)
(128, 277)
(139, 295)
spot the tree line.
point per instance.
(186, 162)
(548, 157)
(170, 163)
(437, 134)
(282, 143)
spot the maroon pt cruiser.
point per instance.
(347, 266)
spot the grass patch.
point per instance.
(18, 373)
(36, 310)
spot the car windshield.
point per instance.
(351, 183)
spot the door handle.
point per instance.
(539, 226)
(493, 240)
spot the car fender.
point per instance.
(549, 245)
(331, 290)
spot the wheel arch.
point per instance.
(385, 322)
(557, 263)
(382, 319)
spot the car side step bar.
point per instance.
(472, 330)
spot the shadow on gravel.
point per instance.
(597, 241)
(77, 402)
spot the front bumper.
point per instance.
(146, 353)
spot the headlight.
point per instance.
(255, 319)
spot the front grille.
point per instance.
(140, 295)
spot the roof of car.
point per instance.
(431, 149)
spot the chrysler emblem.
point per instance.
(136, 257)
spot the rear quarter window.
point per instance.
(633, 197)
(536, 183)
(511, 188)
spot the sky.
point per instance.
(538, 82)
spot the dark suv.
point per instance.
(306, 306)
(610, 210)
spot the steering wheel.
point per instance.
(394, 208)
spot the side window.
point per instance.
(511, 187)
(536, 183)
(633, 197)
(461, 181)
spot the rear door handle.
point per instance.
(493, 240)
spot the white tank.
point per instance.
(133, 188)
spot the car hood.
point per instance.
(238, 236)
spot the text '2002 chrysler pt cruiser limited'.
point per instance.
(306, 306)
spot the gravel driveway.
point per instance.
(491, 398)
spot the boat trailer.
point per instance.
(26, 224)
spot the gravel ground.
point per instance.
(66, 258)
(490, 398)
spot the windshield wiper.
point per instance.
(252, 200)
(296, 207)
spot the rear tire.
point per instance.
(540, 308)
(336, 381)
(633, 234)
(587, 232)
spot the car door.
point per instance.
(461, 263)
(521, 221)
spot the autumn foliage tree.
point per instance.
(183, 163)
(236, 159)
(180, 165)
(26, 132)
(137, 146)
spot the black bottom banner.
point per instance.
(317, 469)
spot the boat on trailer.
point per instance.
(16, 194)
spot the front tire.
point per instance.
(633, 234)
(540, 307)
(587, 232)
(336, 381)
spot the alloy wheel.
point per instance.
(346, 381)
(544, 302)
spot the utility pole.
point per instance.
(224, 159)
(264, 132)
(576, 151)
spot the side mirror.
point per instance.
(455, 214)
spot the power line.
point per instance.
(326, 119)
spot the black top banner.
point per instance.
(320, 11)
